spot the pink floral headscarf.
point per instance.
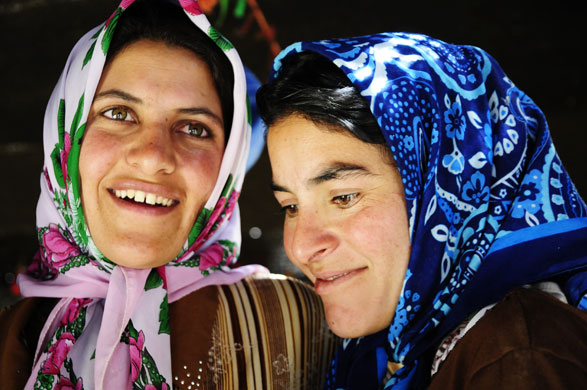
(110, 330)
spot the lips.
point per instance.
(139, 196)
(325, 282)
(331, 278)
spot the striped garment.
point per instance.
(268, 332)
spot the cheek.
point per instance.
(288, 231)
(200, 171)
(98, 153)
(381, 234)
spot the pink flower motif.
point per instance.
(211, 257)
(48, 180)
(73, 310)
(136, 355)
(39, 268)
(223, 209)
(64, 155)
(204, 234)
(232, 203)
(57, 354)
(66, 384)
(125, 3)
(191, 6)
(59, 249)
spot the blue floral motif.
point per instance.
(475, 189)
(408, 142)
(528, 199)
(454, 162)
(455, 121)
(479, 181)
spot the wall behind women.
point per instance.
(540, 47)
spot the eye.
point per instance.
(290, 210)
(346, 200)
(196, 130)
(118, 114)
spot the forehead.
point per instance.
(299, 149)
(148, 59)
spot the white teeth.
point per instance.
(150, 199)
(336, 276)
(139, 196)
(143, 197)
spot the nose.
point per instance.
(312, 238)
(151, 149)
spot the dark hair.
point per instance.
(167, 22)
(310, 85)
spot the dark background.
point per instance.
(540, 46)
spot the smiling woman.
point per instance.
(424, 199)
(146, 138)
(347, 201)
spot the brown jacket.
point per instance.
(528, 341)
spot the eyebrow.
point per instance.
(133, 99)
(335, 171)
(202, 111)
(119, 94)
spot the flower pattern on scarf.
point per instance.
(479, 170)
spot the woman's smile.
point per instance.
(151, 153)
(326, 282)
(345, 225)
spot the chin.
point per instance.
(139, 259)
(348, 324)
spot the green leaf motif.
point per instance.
(156, 379)
(200, 223)
(110, 30)
(154, 280)
(228, 187)
(249, 112)
(88, 56)
(164, 316)
(56, 159)
(130, 331)
(76, 118)
(219, 39)
(228, 245)
(61, 123)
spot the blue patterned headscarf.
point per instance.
(490, 205)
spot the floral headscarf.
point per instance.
(111, 329)
(490, 205)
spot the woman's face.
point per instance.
(151, 153)
(346, 225)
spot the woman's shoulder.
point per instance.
(266, 330)
(528, 340)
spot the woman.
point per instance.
(421, 191)
(146, 138)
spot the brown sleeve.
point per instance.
(530, 369)
(20, 326)
(529, 340)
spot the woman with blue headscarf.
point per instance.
(425, 200)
